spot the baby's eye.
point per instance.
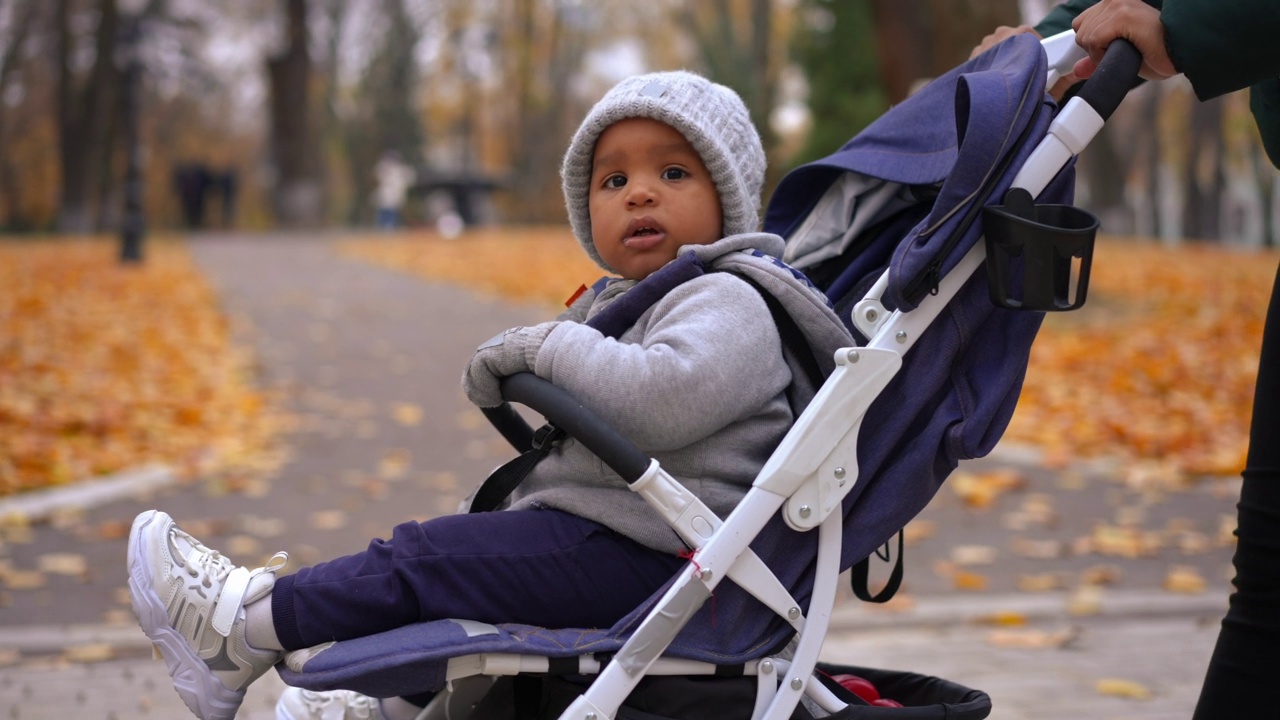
(614, 181)
(674, 173)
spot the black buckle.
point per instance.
(546, 436)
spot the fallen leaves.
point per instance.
(1118, 687)
(104, 367)
(960, 577)
(328, 520)
(407, 414)
(70, 564)
(92, 653)
(1184, 579)
(1029, 639)
(529, 264)
(1160, 364)
(980, 490)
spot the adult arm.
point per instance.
(1223, 45)
(1220, 45)
(1060, 17)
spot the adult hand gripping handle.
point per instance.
(1113, 78)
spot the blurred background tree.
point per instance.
(834, 44)
(261, 115)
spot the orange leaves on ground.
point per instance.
(103, 367)
(1159, 364)
(980, 490)
(541, 264)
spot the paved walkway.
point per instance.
(369, 361)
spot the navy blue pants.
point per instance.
(537, 567)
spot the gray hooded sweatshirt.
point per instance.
(700, 382)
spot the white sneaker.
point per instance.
(190, 601)
(298, 704)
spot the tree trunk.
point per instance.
(742, 60)
(296, 198)
(1204, 179)
(24, 12)
(918, 41)
(543, 106)
(84, 137)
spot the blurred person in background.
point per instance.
(392, 179)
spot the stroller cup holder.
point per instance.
(1049, 246)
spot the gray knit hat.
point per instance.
(711, 117)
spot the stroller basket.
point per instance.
(1048, 247)
(922, 697)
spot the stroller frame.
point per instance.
(806, 478)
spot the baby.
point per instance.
(666, 165)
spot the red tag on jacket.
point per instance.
(574, 297)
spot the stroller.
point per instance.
(889, 227)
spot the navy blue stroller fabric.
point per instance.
(961, 139)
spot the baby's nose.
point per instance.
(641, 194)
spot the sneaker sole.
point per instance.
(283, 713)
(196, 684)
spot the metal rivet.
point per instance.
(902, 336)
(796, 683)
(793, 613)
(706, 575)
(852, 356)
(590, 716)
(805, 511)
(872, 315)
(839, 472)
(766, 667)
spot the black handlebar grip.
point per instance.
(510, 425)
(561, 408)
(1113, 78)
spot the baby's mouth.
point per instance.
(643, 233)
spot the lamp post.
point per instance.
(133, 224)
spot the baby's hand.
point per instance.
(506, 354)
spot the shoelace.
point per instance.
(210, 562)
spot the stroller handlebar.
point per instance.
(563, 410)
(1113, 79)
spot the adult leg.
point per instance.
(1244, 662)
(538, 567)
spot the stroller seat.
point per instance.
(889, 227)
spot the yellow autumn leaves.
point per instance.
(104, 367)
(536, 264)
(1160, 364)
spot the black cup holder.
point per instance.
(1038, 256)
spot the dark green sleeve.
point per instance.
(1222, 45)
(1060, 17)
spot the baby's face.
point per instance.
(650, 194)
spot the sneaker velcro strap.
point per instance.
(229, 600)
